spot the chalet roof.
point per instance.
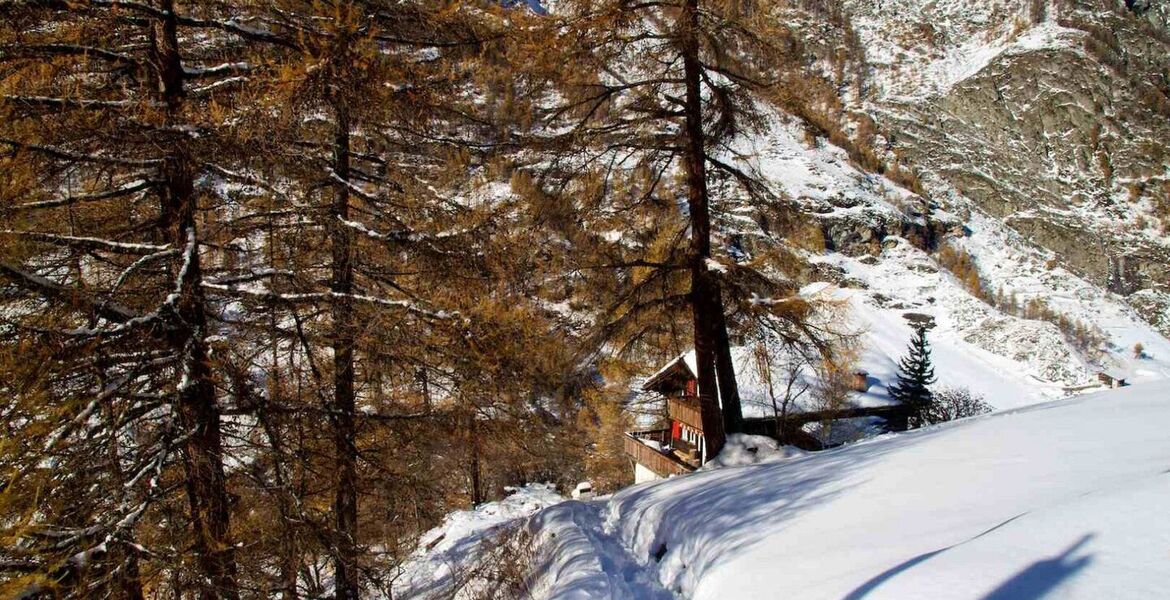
(1117, 369)
(754, 396)
(679, 362)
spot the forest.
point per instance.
(282, 282)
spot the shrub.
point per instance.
(954, 403)
(499, 570)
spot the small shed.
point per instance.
(1113, 380)
(861, 381)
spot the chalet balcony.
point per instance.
(685, 410)
(654, 450)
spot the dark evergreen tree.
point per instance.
(915, 373)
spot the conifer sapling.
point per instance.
(915, 374)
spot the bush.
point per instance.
(499, 569)
(954, 403)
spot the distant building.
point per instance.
(861, 381)
(1113, 380)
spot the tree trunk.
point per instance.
(725, 370)
(196, 401)
(705, 303)
(341, 283)
(290, 560)
(477, 495)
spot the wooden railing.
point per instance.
(662, 464)
(886, 412)
(686, 411)
(790, 430)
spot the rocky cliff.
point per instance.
(1050, 116)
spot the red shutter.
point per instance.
(692, 387)
(675, 430)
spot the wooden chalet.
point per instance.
(679, 446)
(1112, 380)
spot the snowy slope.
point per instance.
(922, 48)
(1066, 498)
(1010, 360)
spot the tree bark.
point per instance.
(341, 283)
(196, 400)
(725, 371)
(477, 495)
(704, 288)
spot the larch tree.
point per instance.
(109, 124)
(647, 120)
(368, 139)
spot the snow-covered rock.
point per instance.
(742, 449)
(1012, 361)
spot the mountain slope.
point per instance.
(1050, 116)
(866, 223)
(1065, 496)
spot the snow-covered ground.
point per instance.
(1065, 499)
(1010, 361)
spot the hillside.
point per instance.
(1062, 498)
(869, 262)
(1050, 116)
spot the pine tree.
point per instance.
(915, 374)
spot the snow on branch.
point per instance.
(124, 318)
(410, 306)
(51, 290)
(407, 305)
(88, 243)
(83, 416)
(403, 236)
(53, 102)
(252, 180)
(198, 91)
(125, 189)
(221, 69)
(353, 188)
(64, 154)
(137, 264)
(250, 277)
(188, 257)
